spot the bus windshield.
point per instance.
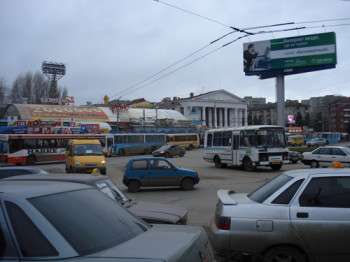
(270, 138)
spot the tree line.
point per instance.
(29, 88)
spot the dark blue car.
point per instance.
(154, 172)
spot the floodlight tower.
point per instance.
(53, 71)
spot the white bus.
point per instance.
(247, 146)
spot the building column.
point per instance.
(225, 122)
(215, 123)
(203, 115)
(235, 121)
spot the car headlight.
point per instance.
(77, 164)
(103, 163)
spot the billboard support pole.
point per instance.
(280, 100)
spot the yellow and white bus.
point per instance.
(186, 140)
(247, 146)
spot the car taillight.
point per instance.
(223, 223)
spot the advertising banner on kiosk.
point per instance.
(290, 55)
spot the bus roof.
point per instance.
(242, 128)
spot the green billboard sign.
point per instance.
(292, 54)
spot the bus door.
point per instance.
(235, 147)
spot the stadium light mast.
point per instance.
(53, 71)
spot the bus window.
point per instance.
(217, 139)
(248, 138)
(226, 138)
(209, 140)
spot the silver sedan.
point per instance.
(299, 216)
(59, 221)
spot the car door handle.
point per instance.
(302, 215)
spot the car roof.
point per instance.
(74, 178)
(30, 189)
(317, 171)
(148, 158)
(20, 168)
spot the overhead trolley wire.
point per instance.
(234, 30)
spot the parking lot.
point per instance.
(200, 201)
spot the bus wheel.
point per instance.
(190, 147)
(217, 162)
(133, 186)
(67, 170)
(30, 160)
(248, 165)
(187, 183)
(121, 152)
(276, 167)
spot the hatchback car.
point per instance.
(59, 221)
(169, 151)
(325, 156)
(19, 170)
(155, 172)
(317, 142)
(149, 212)
(300, 215)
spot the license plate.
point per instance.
(276, 162)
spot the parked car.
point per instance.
(294, 156)
(59, 221)
(325, 156)
(155, 172)
(300, 215)
(316, 142)
(149, 212)
(19, 170)
(169, 151)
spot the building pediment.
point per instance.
(219, 96)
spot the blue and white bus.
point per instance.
(331, 137)
(134, 143)
(247, 146)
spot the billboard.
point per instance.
(53, 68)
(290, 55)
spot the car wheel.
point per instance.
(314, 164)
(182, 154)
(294, 161)
(276, 167)
(134, 186)
(248, 165)
(167, 155)
(30, 160)
(284, 254)
(187, 183)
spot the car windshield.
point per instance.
(88, 220)
(266, 190)
(165, 147)
(347, 150)
(107, 187)
(88, 149)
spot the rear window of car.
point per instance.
(88, 220)
(266, 190)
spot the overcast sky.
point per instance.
(117, 48)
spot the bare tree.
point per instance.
(29, 88)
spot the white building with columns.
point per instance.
(214, 109)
